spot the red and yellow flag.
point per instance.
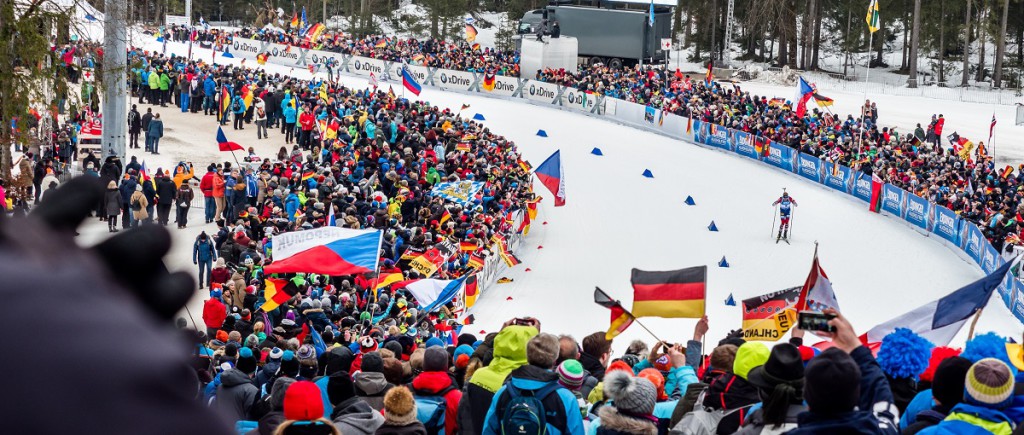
(277, 292)
(669, 294)
(620, 320)
(472, 291)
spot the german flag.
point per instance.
(510, 259)
(689, 125)
(314, 32)
(489, 82)
(262, 58)
(277, 292)
(1007, 171)
(463, 146)
(472, 290)
(470, 33)
(476, 262)
(669, 294)
(225, 103)
(381, 43)
(710, 76)
(469, 319)
(445, 217)
(525, 165)
(621, 319)
(411, 253)
(295, 20)
(464, 107)
(499, 240)
(476, 46)
(777, 102)
(307, 175)
(468, 247)
(762, 146)
(822, 100)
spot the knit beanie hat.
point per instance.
(570, 374)
(276, 354)
(657, 379)
(467, 339)
(277, 393)
(749, 355)
(399, 406)
(306, 355)
(435, 359)
(433, 341)
(367, 344)
(939, 354)
(631, 395)
(462, 355)
(372, 363)
(831, 382)
(989, 383)
(302, 401)
(246, 361)
(948, 380)
(416, 360)
(340, 387)
(395, 347)
(289, 364)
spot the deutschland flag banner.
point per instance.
(621, 319)
(277, 292)
(670, 294)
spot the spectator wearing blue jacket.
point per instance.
(210, 94)
(203, 254)
(127, 189)
(291, 205)
(252, 189)
(371, 130)
(988, 392)
(238, 109)
(560, 405)
(290, 116)
(229, 192)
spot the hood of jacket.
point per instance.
(855, 422)
(611, 419)
(354, 416)
(509, 354)
(370, 383)
(432, 382)
(234, 377)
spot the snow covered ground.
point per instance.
(616, 219)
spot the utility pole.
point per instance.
(115, 89)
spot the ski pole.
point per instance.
(792, 219)
(774, 215)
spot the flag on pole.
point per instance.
(872, 17)
(804, 93)
(224, 144)
(650, 15)
(817, 293)
(709, 76)
(669, 294)
(621, 319)
(991, 127)
(225, 102)
(373, 80)
(410, 82)
(552, 176)
(470, 32)
(144, 171)
(295, 20)
(876, 193)
(940, 320)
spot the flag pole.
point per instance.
(867, 75)
(977, 314)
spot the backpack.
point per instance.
(136, 205)
(702, 421)
(236, 106)
(524, 414)
(430, 411)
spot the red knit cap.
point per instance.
(938, 354)
(302, 401)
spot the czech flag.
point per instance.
(224, 144)
(410, 82)
(940, 320)
(804, 93)
(670, 294)
(551, 175)
(331, 251)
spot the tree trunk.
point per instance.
(915, 43)
(906, 42)
(817, 35)
(982, 17)
(997, 73)
(677, 25)
(942, 42)
(792, 32)
(780, 34)
(688, 30)
(967, 45)
(714, 27)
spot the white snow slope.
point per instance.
(615, 220)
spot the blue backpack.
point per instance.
(524, 413)
(430, 411)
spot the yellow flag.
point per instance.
(872, 17)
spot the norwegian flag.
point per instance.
(991, 127)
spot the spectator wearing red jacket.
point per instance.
(306, 121)
(206, 186)
(214, 313)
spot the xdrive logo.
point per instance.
(323, 59)
(454, 80)
(541, 92)
(508, 87)
(578, 98)
(241, 46)
(367, 66)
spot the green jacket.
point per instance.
(165, 82)
(154, 80)
(509, 354)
